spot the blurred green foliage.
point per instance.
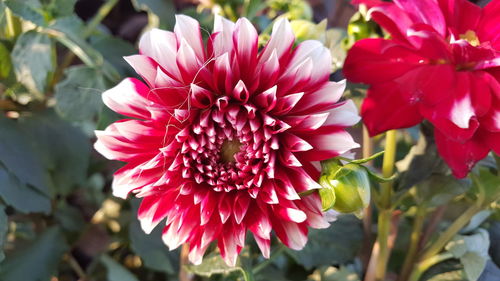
(59, 221)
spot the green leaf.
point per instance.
(164, 9)
(438, 190)
(30, 10)
(490, 272)
(20, 196)
(212, 264)
(114, 49)
(64, 149)
(19, 157)
(421, 162)
(61, 8)
(4, 227)
(270, 272)
(38, 261)
(5, 61)
(150, 247)
(252, 7)
(488, 184)
(69, 218)
(116, 272)
(368, 159)
(78, 97)
(472, 250)
(32, 60)
(476, 221)
(450, 270)
(337, 244)
(474, 265)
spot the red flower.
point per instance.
(225, 137)
(442, 64)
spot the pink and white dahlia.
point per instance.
(225, 136)
(441, 64)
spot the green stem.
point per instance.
(89, 29)
(414, 242)
(273, 256)
(388, 168)
(426, 264)
(247, 275)
(452, 230)
(101, 14)
(384, 219)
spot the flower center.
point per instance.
(229, 149)
(471, 37)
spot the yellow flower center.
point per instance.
(229, 149)
(471, 37)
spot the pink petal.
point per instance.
(144, 66)
(128, 98)
(388, 95)
(188, 29)
(161, 46)
(281, 40)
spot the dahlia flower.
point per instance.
(441, 64)
(225, 136)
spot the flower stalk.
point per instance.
(414, 242)
(426, 264)
(384, 219)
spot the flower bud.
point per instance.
(345, 188)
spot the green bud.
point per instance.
(345, 188)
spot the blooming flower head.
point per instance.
(441, 64)
(225, 136)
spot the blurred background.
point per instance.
(58, 219)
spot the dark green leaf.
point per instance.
(336, 245)
(212, 264)
(20, 196)
(164, 9)
(19, 157)
(489, 186)
(61, 8)
(64, 149)
(116, 272)
(5, 62)
(71, 24)
(4, 227)
(252, 7)
(450, 270)
(271, 273)
(38, 261)
(114, 49)
(79, 95)
(69, 217)
(150, 247)
(30, 10)
(32, 60)
(421, 162)
(438, 189)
